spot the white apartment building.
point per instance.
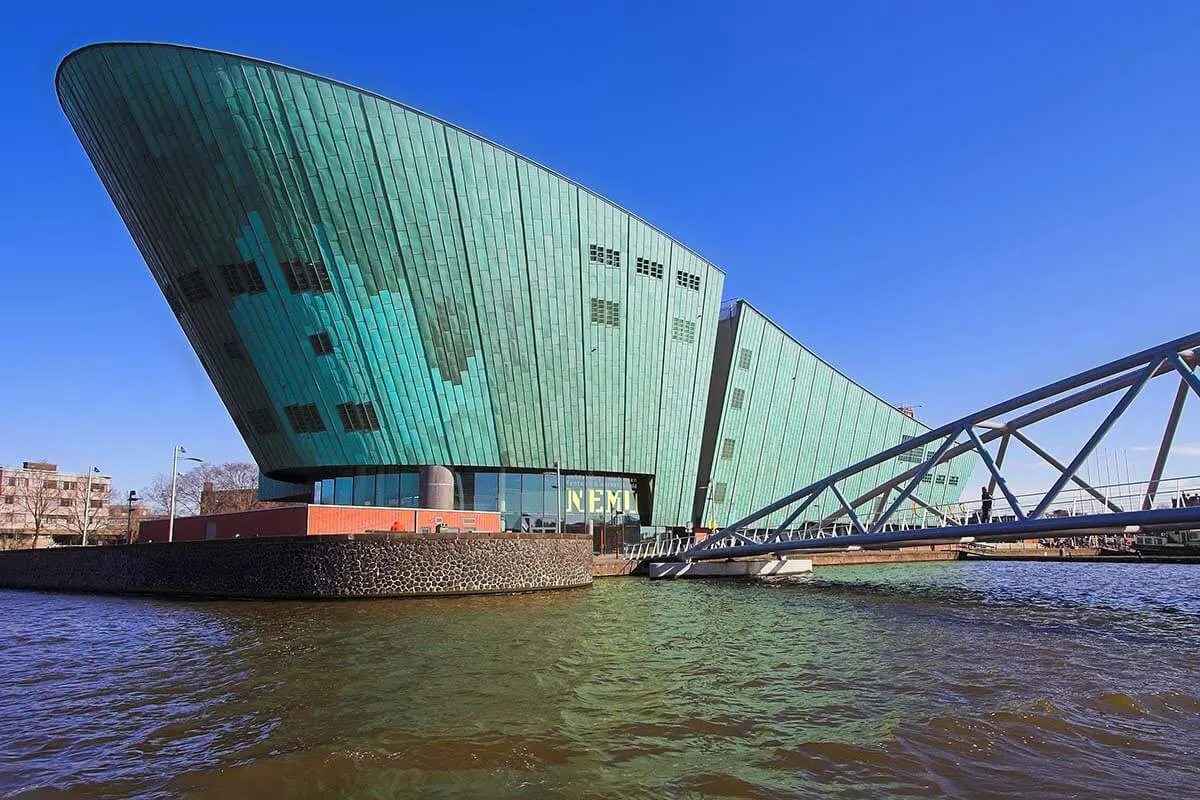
(39, 501)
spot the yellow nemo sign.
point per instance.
(600, 501)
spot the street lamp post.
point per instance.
(175, 454)
(133, 498)
(558, 499)
(87, 506)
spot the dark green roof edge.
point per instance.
(210, 51)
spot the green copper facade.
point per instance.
(779, 418)
(369, 286)
(373, 290)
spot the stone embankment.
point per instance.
(308, 567)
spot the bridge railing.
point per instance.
(1074, 502)
(1089, 501)
(658, 548)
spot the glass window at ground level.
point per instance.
(343, 491)
(510, 500)
(364, 490)
(487, 492)
(410, 489)
(551, 499)
(532, 488)
(387, 490)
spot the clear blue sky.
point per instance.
(951, 201)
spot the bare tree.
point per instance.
(37, 501)
(87, 512)
(188, 487)
(238, 479)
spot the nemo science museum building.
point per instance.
(399, 313)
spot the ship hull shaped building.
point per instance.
(375, 292)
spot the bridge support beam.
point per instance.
(747, 568)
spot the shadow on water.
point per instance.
(960, 680)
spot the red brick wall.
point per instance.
(280, 521)
(300, 520)
(348, 519)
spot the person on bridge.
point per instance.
(985, 505)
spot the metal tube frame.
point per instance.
(1130, 373)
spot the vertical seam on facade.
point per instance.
(583, 323)
(541, 402)
(474, 300)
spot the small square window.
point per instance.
(688, 280)
(358, 417)
(604, 255)
(718, 494)
(914, 456)
(744, 359)
(262, 421)
(305, 418)
(193, 287)
(683, 330)
(322, 345)
(306, 276)
(242, 278)
(645, 266)
(737, 398)
(605, 312)
(727, 449)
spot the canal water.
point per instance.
(938, 680)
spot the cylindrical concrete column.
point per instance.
(437, 487)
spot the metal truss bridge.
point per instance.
(891, 513)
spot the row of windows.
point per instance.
(744, 358)
(63, 502)
(598, 254)
(605, 312)
(65, 485)
(940, 480)
(737, 398)
(322, 345)
(306, 418)
(537, 499)
(683, 330)
(244, 278)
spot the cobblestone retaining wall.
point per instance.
(363, 565)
